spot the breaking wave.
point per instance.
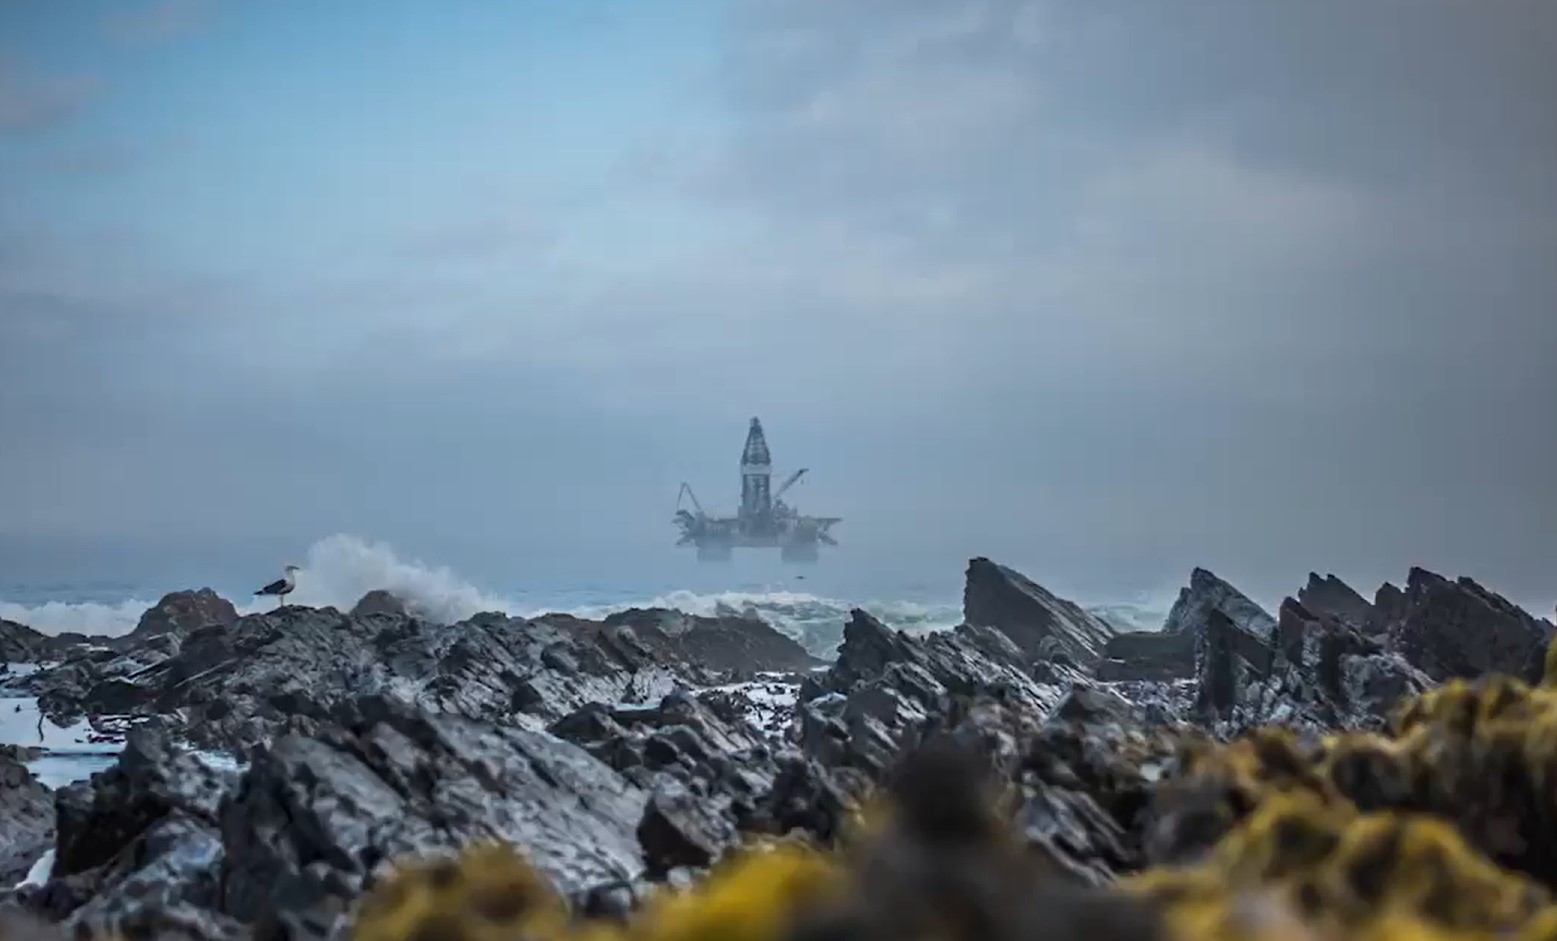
(85, 617)
(340, 569)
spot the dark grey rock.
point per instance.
(1040, 623)
(680, 829)
(180, 613)
(732, 642)
(313, 817)
(281, 672)
(1332, 598)
(26, 816)
(1148, 655)
(379, 601)
(1458, 628)
(1206, 593)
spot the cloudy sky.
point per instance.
(1107, 290)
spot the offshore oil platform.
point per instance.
(764, 520)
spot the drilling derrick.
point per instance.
(763, 520)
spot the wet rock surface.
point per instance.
(26, 816)
(642, 750)
(240, 684)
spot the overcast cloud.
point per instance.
(1105, 290)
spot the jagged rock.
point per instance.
(649, 765)
(21, 644)
(1148, 655)
(1351, 671)
(164, 843)
(379, 601)
(1206, 593)
(180, 613)
(887, 687)
(679, 829)
(282, 671)
(1228, 659)
(314, 817)
(138, 845)
(1041, 624)
(26, 816)
(730, 642)
(1330, 597)
(1459, 629)
(1316, 673)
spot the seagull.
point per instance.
(282, 586)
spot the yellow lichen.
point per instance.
(489, 893)
(755, 897)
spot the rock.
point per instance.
(26, 816)
(1041, 624)
(138, 846)
(1349, 670)
(1228, 660)
(163, 843)
(887, 692)
(1148, 655)
(1330, 597)
(1206, 593)
(180, 613)
(730, 642)
(282, 671)
(21, 644)
(315, 816)
(1459, 629)
(1316, 674)
(379, 601)
(679, 829)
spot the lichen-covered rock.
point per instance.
(945, 785)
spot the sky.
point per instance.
(1106, 291)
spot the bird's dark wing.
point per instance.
(274, 588)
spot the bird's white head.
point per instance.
(292, 568)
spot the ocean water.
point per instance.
(811, 604)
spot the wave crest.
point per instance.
(343, 568)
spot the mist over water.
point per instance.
(810, 604)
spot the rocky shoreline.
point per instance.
(632, 754)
